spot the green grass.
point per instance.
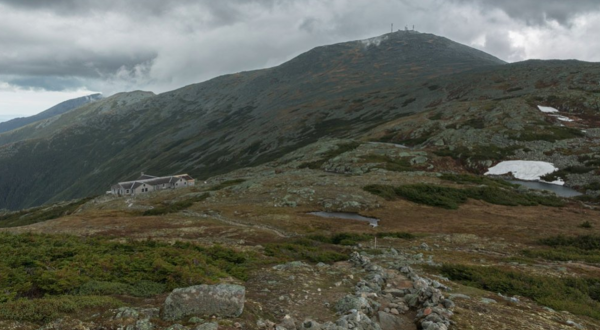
(579, 296)
(340, 149)
(176, 206)
(39, 214)
(388, 163)
(451, 198)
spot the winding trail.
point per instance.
(239, 223)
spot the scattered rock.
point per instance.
(488, 301)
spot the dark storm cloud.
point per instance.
(46, 83)
(116, 45)
(78, 63)
(221, 11)
(538, 12)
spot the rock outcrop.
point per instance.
(225, 300)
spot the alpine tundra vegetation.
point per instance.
(375, 184)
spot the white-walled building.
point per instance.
(147, 183)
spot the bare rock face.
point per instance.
(226, 300)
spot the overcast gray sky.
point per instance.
(52, 50)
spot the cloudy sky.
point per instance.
(53, 50)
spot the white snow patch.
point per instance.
(376, 41)
(547, 109)
(563, 118)
(525, 170)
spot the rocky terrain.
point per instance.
(300, 276)
(389, 145)
(250, 117)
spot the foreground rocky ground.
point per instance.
(392, 283)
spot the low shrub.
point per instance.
(39, 214)
(576, 295)
(340, 149)
(388, 163)
(582, 242)
(477, 180)
(548, 133)
(439, 196)
(304, 250)
(49, 308)
(584, 248)
(595, 185)
(138, 289)
(565, 254)
(451, 198)
(355, 238)
(478, 153)
(436, 116)
(34, 266)
(226, 184)
(563, 173)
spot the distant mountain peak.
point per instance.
(51, 112)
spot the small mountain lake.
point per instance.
(561, 191)
(344, 215)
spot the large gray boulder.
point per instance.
(225, 300)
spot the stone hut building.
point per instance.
(147, 183)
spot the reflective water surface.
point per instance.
(559, 190)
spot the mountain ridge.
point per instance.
(241, 119)
(51, 112)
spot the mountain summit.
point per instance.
(233, 121)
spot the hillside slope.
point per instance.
(235, 120)
(55, 110)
